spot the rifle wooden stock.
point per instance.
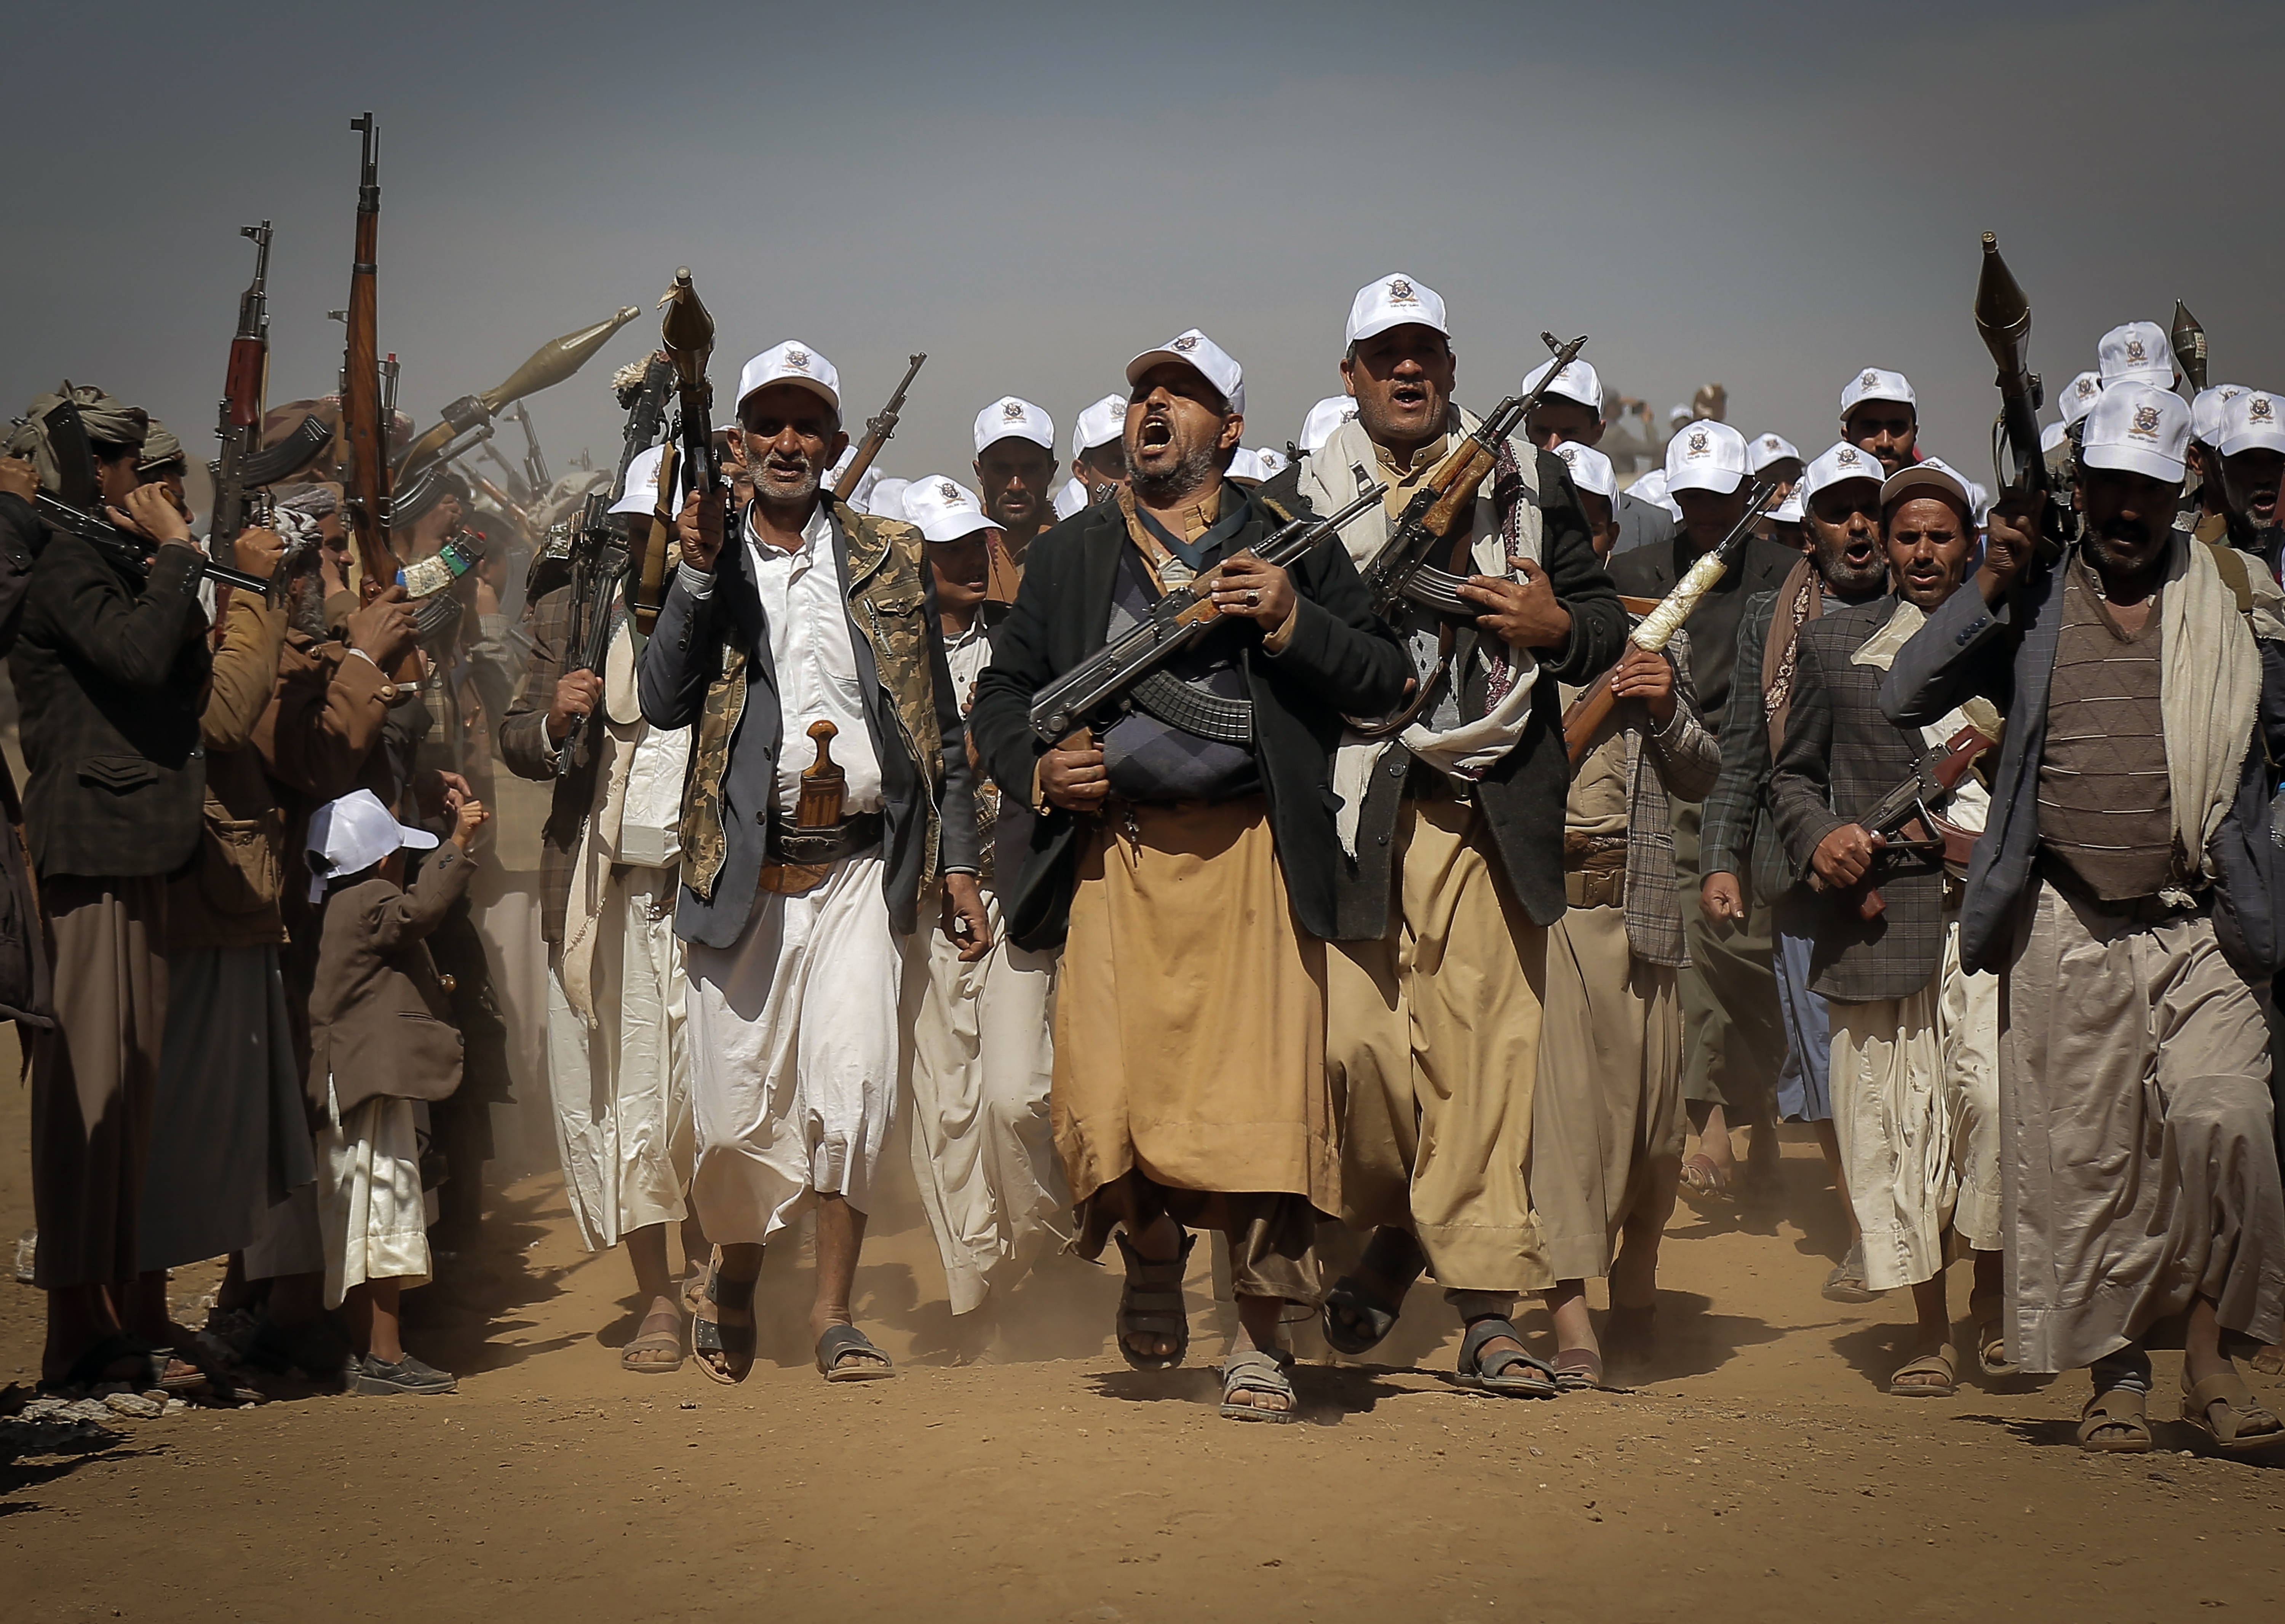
(362, 430)
(878, 427)
(1459, 486)
(1584, 717)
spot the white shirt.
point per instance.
(815, 662)
(967, 654)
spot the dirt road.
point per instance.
(1760, 1475)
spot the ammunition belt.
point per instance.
(1194, 709)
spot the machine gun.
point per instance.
(1584, 718)
(1116, 677)
(76, 507)
(1907, 806)
(2002, 316)
(878, 427)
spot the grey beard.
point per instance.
(1165, 489)
(769, 495)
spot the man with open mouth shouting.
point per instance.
(1453, 854)
(1187, 868)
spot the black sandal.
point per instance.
(1511, 1373)
(1150, 1305)
(1357, 1318)
(733, 1344)
(839, 1342)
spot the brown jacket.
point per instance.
(228, 897)
(380, 1018)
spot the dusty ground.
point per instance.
(1761, 1475)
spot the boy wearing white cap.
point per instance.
(982, 1057)
(1190, 1075)
(1016, 471)
(618, 1057)
(2251, 450)
(808, 632)
(1572, 410)
(1881, 414)
(1452, 830)
(1734, 1039)
(2125, 891)
(1915, 1035)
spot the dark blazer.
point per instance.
(523, 746)
(110, 678)
(1641, 524)
(1841, 755)
(1341, 659)
(1522, 794)
(1655, 570)
(684, 655)
(381, 1023)
(2008, 654)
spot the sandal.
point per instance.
(2236, 1430)
(1578, 1369)
(2117, 1412)
(1991, 1352)
(841, 1342)
(1252, 1370)
(1150, 1305)
(1943, 1364)
(1706, 1179)
(1511, 1373)
(1846, 1282)
(1356, 1317)
(732, 1345)
(657, 1353)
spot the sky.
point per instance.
(1771, 196)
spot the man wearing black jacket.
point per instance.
(1187, 866)
(1453, 861)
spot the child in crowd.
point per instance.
(382, 1046)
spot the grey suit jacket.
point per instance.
(1641, 523)
(2007, 654)
(683, 657)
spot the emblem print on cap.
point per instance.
(2086, 387)
(1870, 381)
(1846, 458)
(798, 359)
(2134, 349)
(949, 492)
(1012, 410)
(1183, 345)
(2259, 411)
(2146, 420)
(1769, 442)
(1698, 443)
(1400, 291)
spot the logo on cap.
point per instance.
(1846, 458)
(2086, 387)
(2259, 411)
(1570, 453)
(1870, 381)
(798, 359)
(1400, 291)
(2134, 349)
(1769, 442)
(2146, 420)
(1183, 345)
(949, 492)
(1698, 443)
(1012, 410)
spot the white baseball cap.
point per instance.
(2209, 410)
(1873, 383)
(2139, 429)
(1009, 418)
(2078, 397)
(1395, 301)
(1591, 470)
(2252, 422)
(1932, 475)
(1576, 382)
(1273, 461)
(944, 509)
(1766, 449)
(791, 362)
(642, 483)
(1099, 424)
(1704, 456)
(1204, 357)
(1652, 487)
(2136, 352)
(1677, 415)
(2052, 435)
(1839, 463)
(1245, 463)
(1326, 416)
(1071, 496)
(886, 498)
(1792, 510)
(352, 833)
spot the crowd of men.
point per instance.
(1383, 938)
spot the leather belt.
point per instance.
(799, 858)
(1594, 870)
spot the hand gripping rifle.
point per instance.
(687, 333)
(599, 558)
(468, 420)
(2003, 316)
(1584, 717)
(244, 466)
(1908, 806)
(877, 430)
(1445, 503)
(1100, 686)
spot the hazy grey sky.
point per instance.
(1771, 196)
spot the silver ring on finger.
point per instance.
(1252, 598)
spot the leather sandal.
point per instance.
(2235, 1428)
(1150, 1305)
(2118, 1413)
(1941, 1363)
(1511, 1373)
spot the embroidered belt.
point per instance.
(799, 858)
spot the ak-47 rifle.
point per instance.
(1584, 718)
(2003, 316)
(1446, 502)
(687, 332)
(364, 432)
(878, 427)
(598, 558)
(468, 420)
(536, 477)
(1909, 805)
(244, 466)
(1123, 672)
(76, 505)
(2188, 340)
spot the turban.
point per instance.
(109, 422)
(159, 448)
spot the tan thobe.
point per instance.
(1608, 1122)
